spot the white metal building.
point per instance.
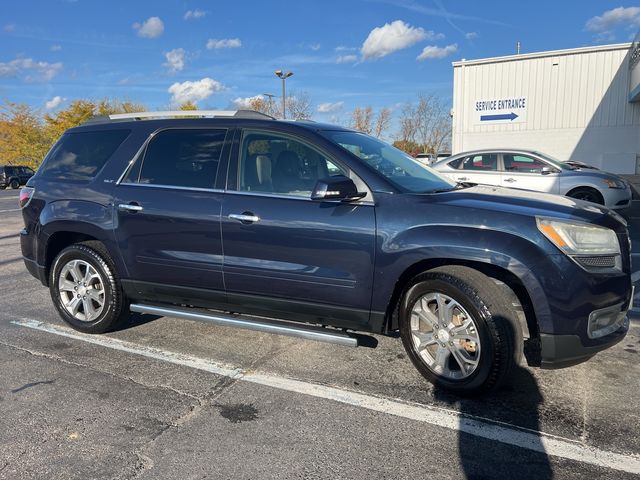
(578, 104)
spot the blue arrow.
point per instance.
(502, 116)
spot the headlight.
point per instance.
(579, 238)
(613, 183)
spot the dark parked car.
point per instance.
(14, 176)
(318, 231)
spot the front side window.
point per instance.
(487, 162)
(399, 168)
(522, 163)
(180, 158)
(278, 164)
(80, 155)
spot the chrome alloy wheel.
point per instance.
(445, 336)
(81, 290)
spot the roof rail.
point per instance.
(190, 113)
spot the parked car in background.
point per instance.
(326, 232)
(431, 158)
(531, 170)
(14, 176)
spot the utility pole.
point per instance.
(283, 76)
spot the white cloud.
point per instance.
(124, 81)
(392, 37)
(175, 60)
(54, 102)
(31, 70)
(437, 52)
(315, 47)
(55, 48)
(214, 44)
(346, 58)
(153, 27)
(471, 35)
(609, 20)
(194, 91)
(330, 107)
(194, 14)
(343, 48)
(245, 102)
(8, 28)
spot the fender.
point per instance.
(528, 261)
(83, 217)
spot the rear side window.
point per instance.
(181, 158)
(487, 162)
(81, 155)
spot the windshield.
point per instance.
(395, 165)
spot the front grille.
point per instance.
(599, 261)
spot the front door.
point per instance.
(286, 255)
(526, 172)
(168, 211)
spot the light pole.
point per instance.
(283, 76)
(270, 102)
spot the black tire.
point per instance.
(495, 319)
(116, 305)
(14, 184)
(587, 194)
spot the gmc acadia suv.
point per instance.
(319, 231)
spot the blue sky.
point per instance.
(343, 53)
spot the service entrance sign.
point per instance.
(500, 110)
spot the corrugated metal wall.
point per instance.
(575, 102)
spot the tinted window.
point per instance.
(182, 158)
(522, 163)
(487, 162)
(271, 163)
(79, 156)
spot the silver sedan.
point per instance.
(530, 170)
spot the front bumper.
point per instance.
(616, 198)
(560, 351)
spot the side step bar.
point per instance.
(261, 324)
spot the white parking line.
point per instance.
(13, 210)
(480, 427)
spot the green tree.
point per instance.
(188, 106)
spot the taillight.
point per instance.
(25, 196)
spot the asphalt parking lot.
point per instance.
(168, 398)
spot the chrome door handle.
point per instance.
(244, 217)
(510, 180)
(130, 207)
(462, 179)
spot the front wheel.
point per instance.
(14, 184)
(85, 289)
(460, 329)
(587, 194)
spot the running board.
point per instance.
(261, 324)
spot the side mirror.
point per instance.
(339, 188)
(548, 170)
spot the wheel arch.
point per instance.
(528, 320)
(586, 187)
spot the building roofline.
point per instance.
(550, 53)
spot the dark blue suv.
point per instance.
(319, 231)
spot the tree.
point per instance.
(427, 123)
(298, 106)
(362, 119)
(22, 138)
(188, 106)
(383, 120)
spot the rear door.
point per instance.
(479, 168)
(168, 211)
(286, 255)
(526, 172)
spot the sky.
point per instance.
(344, 53)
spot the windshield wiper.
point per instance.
(457, 186)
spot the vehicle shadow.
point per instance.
(136, 320)
(482, 458)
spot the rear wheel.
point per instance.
(460, 329)
(588, 194)
(85, 289)
(15, 184)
